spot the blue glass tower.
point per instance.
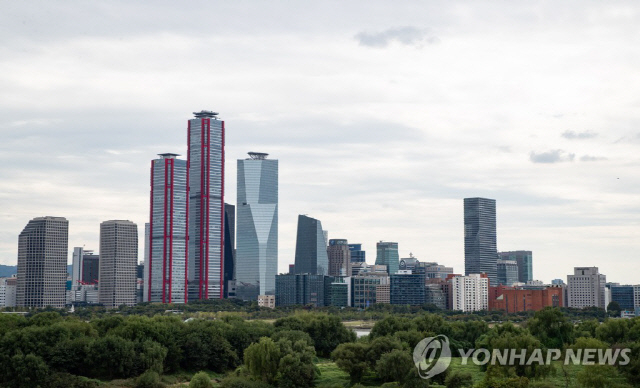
(257, 227)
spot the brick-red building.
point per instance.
(514, 300)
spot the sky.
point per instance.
(383, 116)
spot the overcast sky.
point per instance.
(383, 115)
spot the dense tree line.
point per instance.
(50, 350)
(386, 354)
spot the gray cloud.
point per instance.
(410, 36)
(589, 158)
(553, 156)
(579, 135)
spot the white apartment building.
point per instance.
(470, 293)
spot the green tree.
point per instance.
(379, 347)
(459, 379)
(200, 380)
(262, 360)
(293, 372)
(149, 379)
(551, 327)
(394, 366)
(600, 376)
(613, 331)
(614, 309)
(351, 358)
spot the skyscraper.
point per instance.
(387, 254)
(42, 262)
(480, 251)
(525, 263)
(257, 249)
(205, 179)
(339, 256)
(229, 274)
(165, 268)
(311, 248)
(118, 260)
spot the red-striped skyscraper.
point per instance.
(166, 265)
(205, 181)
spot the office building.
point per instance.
(338, 291)
(357, 254)
(364, 289)
(257, 247)
(514, 300)
(8, 289)
(433, 270)
(311, 249)
(387, 254)
(480, 252)
(408, 264)
(85, 267)
(407, 288)
(118, 261)
(434, 295)
(229, 274)
(205, 177)
(524, 259)
(339, 256)
(42, 263)
(300, 289)
(166, 266)
(507, 272)
(624, 296)
(586, 288)
(470, 293)
(383, 293)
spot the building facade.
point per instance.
(229, 274)
(257, 248)
(364, 289)
(205, 180)
(300, 289)
(357, 254)
(118, 261)
(166, 266)
(507, 272)
(524, 259)
(42, 263)
(470, 293)
(513, 300)
(624, 296)
(311, 248)
(480, 242)
(8, 290)
(387, 254)
(407, 288)
(586, 288)
(339, 256)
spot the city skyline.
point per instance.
(381, 126)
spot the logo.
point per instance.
(432, 356)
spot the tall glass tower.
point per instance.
(165, 268)
(42, 263)
(257, 227)
(205, 180)
(311, 247)
(480, 247)
(387, 254)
